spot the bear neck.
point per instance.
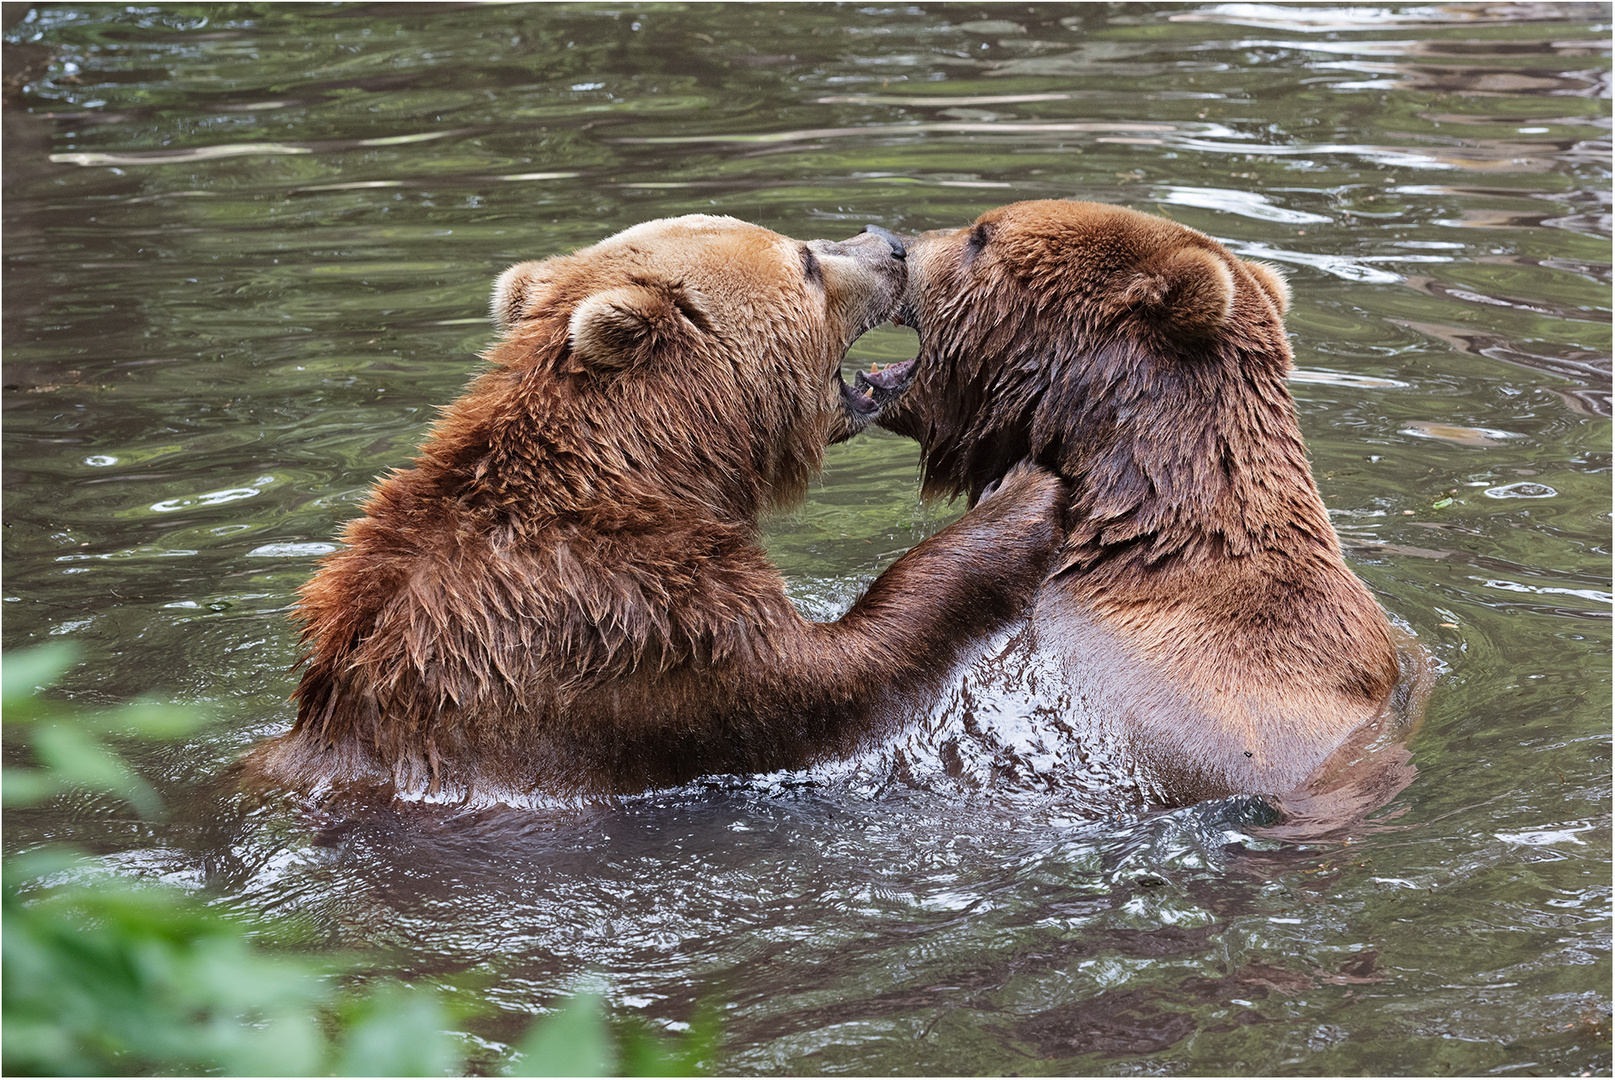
(1189, 479)
(1171, 457)
(1193, 460)
(1195, 522)
(535, 446)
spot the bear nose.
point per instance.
(894, 241)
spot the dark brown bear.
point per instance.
(566, 594)
(1201, 620)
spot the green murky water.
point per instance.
(247, 250)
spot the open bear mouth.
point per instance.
(870, 392)
(882, 384)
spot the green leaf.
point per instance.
(644, 1054)
(572, 1042)
(75, 756)
(152, 719)
(25, 787)
(24, 673)
(20, 870)
(400, 1032)
(698, 1046)
(292, 1046)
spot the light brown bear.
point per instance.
(1201, 626)
(566, 594)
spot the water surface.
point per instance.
(247, 252)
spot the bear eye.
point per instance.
(811, 268)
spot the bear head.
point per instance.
(700, 350)
(1129, 353)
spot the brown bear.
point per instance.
(1200, 631)
(566, 595)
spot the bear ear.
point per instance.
(1271, 279)
(1189, 289)
(517, 292)
(621, 327)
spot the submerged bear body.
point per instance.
(1201, 633)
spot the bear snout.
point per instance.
(874, 247)
(899, 246)
(866, 278)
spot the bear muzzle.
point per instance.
(899, 246)
(865, 278)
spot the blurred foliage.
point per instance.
(577, 1041)
(103, 974)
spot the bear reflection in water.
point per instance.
(1201, 635)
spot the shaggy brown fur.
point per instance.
(1201, 595)
(566, 593)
